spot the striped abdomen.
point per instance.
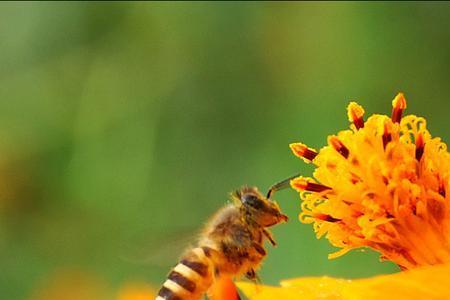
(190, 278)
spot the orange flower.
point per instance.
(382, 184)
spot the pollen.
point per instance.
(381, 184)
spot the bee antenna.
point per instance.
(280, 185)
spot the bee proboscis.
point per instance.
(231, 245)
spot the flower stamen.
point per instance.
(326, 218)
(303, 151)
(338, 146)
(306, 184)
(398, 106)
(420, 146)
(387, 137)
(355, 114)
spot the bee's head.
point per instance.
(258, 208)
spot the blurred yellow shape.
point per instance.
(136, 291)
(71, 284)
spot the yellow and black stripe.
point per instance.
(190, 278)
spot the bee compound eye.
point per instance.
(251, 200)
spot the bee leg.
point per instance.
(259, 249)
(251, 275)
(269, 236)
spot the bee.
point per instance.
(231, 245)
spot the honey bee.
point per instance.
(231, 245)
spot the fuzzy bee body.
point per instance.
(231, 245)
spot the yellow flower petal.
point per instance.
(431, 283)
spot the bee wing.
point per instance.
(223, 288)
(160, 252)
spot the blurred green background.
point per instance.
(123, 126)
